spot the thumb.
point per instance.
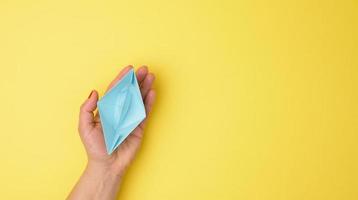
(86, 120)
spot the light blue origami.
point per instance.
(121, 110)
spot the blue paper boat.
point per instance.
(121, 110)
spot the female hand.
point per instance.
(103, 172)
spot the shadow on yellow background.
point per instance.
(256, 99)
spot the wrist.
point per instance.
(97, 182)
(104, 169)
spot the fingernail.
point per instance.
(90, 94)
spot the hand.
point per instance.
(103, 173)
(91, 133)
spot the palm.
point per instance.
(92, 135)
(125, 152)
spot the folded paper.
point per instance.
(121, 110)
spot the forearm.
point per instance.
(96, 182)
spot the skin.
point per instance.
(103, 174)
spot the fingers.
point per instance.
(149, 101)
(141, 73)
(86, 120)
(123, 72)
(148, 95)
(147, 84)
(148, 104)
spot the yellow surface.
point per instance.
(256, 99)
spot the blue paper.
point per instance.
(121, 110)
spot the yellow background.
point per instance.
(256, 99)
